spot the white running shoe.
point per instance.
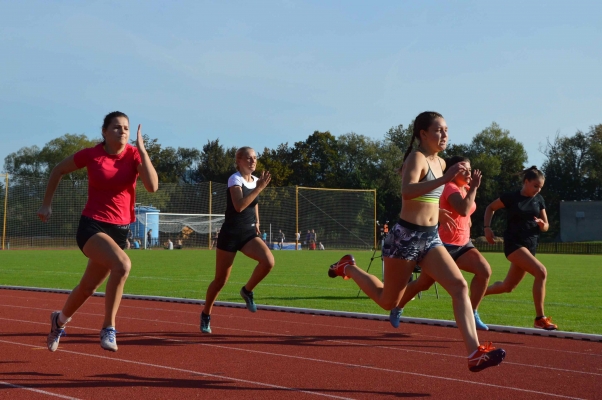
(108, 338)
(56, 331)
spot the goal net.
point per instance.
(336, 218)
(183, 230)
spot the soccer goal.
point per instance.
(183, 230)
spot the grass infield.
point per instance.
(299, 279)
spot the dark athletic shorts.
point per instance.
(89, 227)
(458, 251)
(410, 242)
(513, 243)
(233, 239)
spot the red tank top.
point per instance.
(111, 183)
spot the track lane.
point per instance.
(356, 352)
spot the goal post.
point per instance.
(193, 230)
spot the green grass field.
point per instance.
(300, 279)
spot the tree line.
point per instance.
(572, 167)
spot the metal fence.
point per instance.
(548, 248)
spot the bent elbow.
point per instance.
(152, 188)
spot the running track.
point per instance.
(271, 355)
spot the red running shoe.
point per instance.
(338, 268)
(545, 323)
(484, 357)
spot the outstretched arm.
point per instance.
(463, 205)
(491, 209)
(542, 221)
(241, 202)
(411, 187)
(147, 172)
(64, 167)
(257, 219)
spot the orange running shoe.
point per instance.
(484, 357)
(338, 268)
(545, 323)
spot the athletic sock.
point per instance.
(205, 316)
(245, 290)
(473, 353)
(538, 318)
(63, 320)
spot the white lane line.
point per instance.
(345, 342)
(299, 358)
(12, 385)
(416, 335)
(368, 367)
(188, 371)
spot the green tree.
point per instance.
(500, 158)
(172, 165)
(216, 162)
(278, 163)
(314, 161)
(573, 172)
(35, 163)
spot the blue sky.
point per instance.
(261, 73)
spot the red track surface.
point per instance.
(271, 355)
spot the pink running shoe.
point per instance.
(338, 268)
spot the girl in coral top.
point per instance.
(113, 167)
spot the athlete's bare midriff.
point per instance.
(420, 213)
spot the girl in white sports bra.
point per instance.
(415, 239)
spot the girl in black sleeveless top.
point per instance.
(240, 232)
(526, 218)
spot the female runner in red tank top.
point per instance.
(113, 167)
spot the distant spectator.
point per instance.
(149, 239)
(314, 237)
(264, 237)
(178, 245)
(169, 245)
(307, 237)
(280, 239)
(136, 245)
(320, 246)
(297, 237)
(214, 241)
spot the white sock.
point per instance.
(63, 320)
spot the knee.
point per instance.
(485, 272)
(122, 268)
(268, 262)
(458, 289)
(542, 273)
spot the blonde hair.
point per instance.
(240, 153)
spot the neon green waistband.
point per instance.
(425, 199)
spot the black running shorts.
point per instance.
(458, 251)
(89, 227)
(232, 239)
(514, 242)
